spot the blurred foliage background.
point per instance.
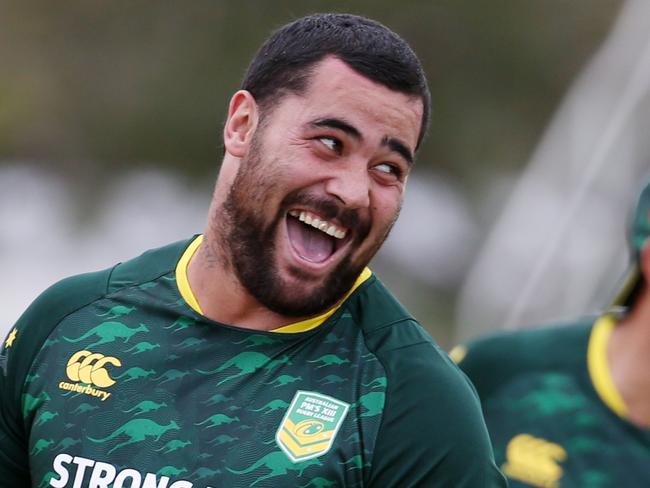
(91, 91)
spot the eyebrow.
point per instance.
(399, 147)
(340, 125)
(392, 143)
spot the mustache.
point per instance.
(330, 209)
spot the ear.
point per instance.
(241, 124)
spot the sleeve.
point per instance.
(14, 463)
(17, 354)
(432, 432)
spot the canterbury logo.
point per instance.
(89, 368)
(534, 461)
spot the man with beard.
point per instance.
(263, 352)
(569, 404)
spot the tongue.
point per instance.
(310, 244)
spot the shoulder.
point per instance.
(75, 292)
(22, 345)
(148, 266)
(498, 357)
(425, 392)
(49, 308)
(383, 320)
(29, 336)
(408, 353)
(70, 295)
(66, 296)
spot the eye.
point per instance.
(332, 143)
(390, 169)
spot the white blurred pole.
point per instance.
(632, 94)
(525, 271)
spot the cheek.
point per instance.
(386, 208)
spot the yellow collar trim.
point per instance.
(181, 275)
(598, 365)
(314, 322)
(186, 292)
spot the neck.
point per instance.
(629, 358)
(221, 295)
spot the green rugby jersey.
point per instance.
(112, 379)
(552, 409)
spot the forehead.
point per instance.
(335, 90)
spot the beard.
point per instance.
(249, 241)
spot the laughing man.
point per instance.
(262, 352)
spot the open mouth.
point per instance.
(313, 238)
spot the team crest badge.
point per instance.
(310, 425)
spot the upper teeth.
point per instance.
(317, 223)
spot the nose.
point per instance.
(352, 188)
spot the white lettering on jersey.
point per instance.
(59, 469)
(150, 481)
(83, 463)
(103, 474)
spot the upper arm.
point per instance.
(17, 355)
(14, 464)
(432, 432)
